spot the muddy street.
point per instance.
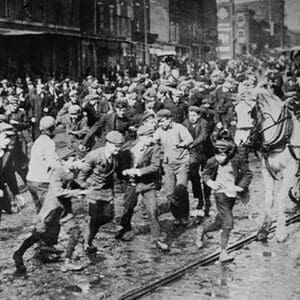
(260, 271)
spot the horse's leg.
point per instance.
(287, 180)
(263, 231)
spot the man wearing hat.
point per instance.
(141, 168)
(223, 106)
(97, 176)
(228, 174)
(76, 128)
(65, 109)
(91, 108)
(198, 128)
(43, 159)
(8, 176)
(116, 121)
(176, 105)
(175, 140)
(40, 105)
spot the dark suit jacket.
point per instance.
(107, 123)
(149, 165)
(92, 114)
(200, 137)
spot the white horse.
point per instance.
(265, 123)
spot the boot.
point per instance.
(162, 245)
(199, 237)
(119, 235)
(19, 263)
(69, 266)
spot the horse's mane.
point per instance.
(268, 102)
(267, 98)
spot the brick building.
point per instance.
(39, 37)
(270, 13)
(187, 26)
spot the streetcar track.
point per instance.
(149, 287)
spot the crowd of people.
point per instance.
(151, 130)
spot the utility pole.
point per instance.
(146, 33)
(282, 25)
(94, 42)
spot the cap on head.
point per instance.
(47, 122)
(223, 145)
(115, 137)
(3, 118)
(7, 129)
(145, 130)
(121, 103)
(164, 113)
(195, 109)
(74, 109)
(12, 99)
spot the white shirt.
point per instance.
(226, 179)
(42, 160)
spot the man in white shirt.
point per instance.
(42, 161)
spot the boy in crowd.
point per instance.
(228, 175)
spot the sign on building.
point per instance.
(225, 29)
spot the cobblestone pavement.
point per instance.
(258, 272)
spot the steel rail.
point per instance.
(149, 287)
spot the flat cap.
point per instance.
(7, 129)
(74, 109)
(147, 116)
(93, 97)
(146, 129)
(195, 109)
(163, 89)
(12, 99)
(115, 137)
(164, 113)
(3, 118)
(223, 145)
(205, 100)
(121, 103)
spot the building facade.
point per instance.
(270, 14)
(39, 37)
(188, 27)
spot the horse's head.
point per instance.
(246, 116)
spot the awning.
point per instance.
(13, 32)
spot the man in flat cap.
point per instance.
(141, 169)
(198, 128)
(176, 105)
(65, 109)
(175, 140)
(91, 108)
(97, 176)
(76, 128)
(116, 121)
